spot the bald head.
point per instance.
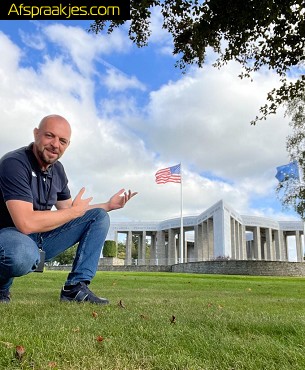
(55, 118)
(51, 139)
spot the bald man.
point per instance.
(32, 182)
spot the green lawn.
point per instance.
(221, 322)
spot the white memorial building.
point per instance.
(217, 233)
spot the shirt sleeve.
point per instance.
(15, 180)
(64, 194)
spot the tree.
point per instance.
(66, 257)
(121, 250)
(110, 249)
(255, 33)
(292, 191)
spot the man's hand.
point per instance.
(81, 205)
(119, 199)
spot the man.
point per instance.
(32, 181)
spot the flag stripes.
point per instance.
(168, 174)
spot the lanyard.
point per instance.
(43, 181)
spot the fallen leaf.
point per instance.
(173, 319)
(121, 304)
(99, 338)
(20, 351)
(94, 314)
(144, 317)
(52, 364)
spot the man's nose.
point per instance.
(55, 142)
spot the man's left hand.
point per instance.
(119, 199)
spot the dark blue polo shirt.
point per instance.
(22, 179)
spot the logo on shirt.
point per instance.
(34, 174)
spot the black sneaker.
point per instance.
(5, 296)
(81, 293)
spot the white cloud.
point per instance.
(84, 47)
(34, 41)
(117, 81)
(204, 118)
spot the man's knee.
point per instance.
(100, 215)
(19, 254)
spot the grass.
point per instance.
(221, 323)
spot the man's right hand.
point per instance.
(80, 205)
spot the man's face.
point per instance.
(51, 140)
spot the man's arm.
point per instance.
(29, 221)
(117, 201)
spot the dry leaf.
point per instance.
(173, 319)
(144, 317)
(20, 351)
(99, 338)
(94, 314)
(121, 304)
(52, 364)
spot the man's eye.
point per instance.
(63, 142)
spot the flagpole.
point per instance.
(181, 218)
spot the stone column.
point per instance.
(243, 244)
(128, 248)
(237, 238)
(233, 239)
(299, 248)
(198, 243)
(277, 245)
(172, 256)
(210, 239)
(284, 246)
(269, 245)
(142, 248)
(257, 243)
(160, 255)
(205, 241)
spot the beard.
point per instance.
(45, 157)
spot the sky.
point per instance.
(133, 112)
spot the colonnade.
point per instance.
(218, 233)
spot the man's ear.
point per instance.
(35, 131)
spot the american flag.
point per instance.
(168, 174)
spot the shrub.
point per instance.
(110, 249)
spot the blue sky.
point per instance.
(132, 112)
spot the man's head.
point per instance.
(51, 139)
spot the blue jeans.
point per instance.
(19, 253)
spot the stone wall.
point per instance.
(138, 268)
(261, 268)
